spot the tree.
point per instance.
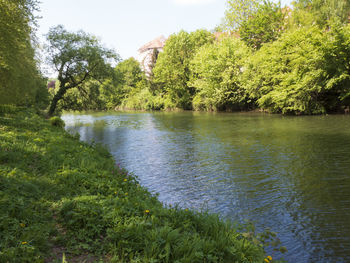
(265, 25)
(306, 71)
(239, 11)
(78, 58)
(21, 82)
(77, 100)
(128, 79)
(172, 71)
(325, 11)
(217, 69)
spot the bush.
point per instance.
(57, 121)
(143, 100)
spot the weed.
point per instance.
(57, 121)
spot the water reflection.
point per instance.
(287, 173)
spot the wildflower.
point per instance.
(24, 243)
(147, 211)
(126, 193)
(115, 192)
(22, 224)
(125, 180)
(269, 257)
(186, 209)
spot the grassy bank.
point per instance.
(60, 196)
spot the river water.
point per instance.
(291, 174)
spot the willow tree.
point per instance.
(77, 57)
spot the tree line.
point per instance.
(282, 60)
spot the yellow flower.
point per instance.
(22, 224)
(126, 193)
(24, 242)
(186, 209)
(115, 193)
(147, 211)
(125, 180)
(269, 257)
(266, 260)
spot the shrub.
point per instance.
(57, 121)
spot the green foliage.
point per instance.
(217, 70)
(88, 97)
(144, 99)
(324, 12)
(265, 25)
(172, 71)
(21, 82)
(337, 65)
(153, 62)
(61, 196)
(238, 12)
(125, 81)
(57, 121)
(131, 80)
(9, 108)
(304, 72)
(77, 57)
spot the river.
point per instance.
(290, 174)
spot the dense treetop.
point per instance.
(20, 80)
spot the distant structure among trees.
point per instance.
(146, 52)
(51, 84)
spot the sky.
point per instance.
(126, 25)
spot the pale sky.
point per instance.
(126, 25)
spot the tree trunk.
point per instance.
(59, 95)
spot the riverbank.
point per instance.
(60, 196)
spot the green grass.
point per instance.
(60, 196)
